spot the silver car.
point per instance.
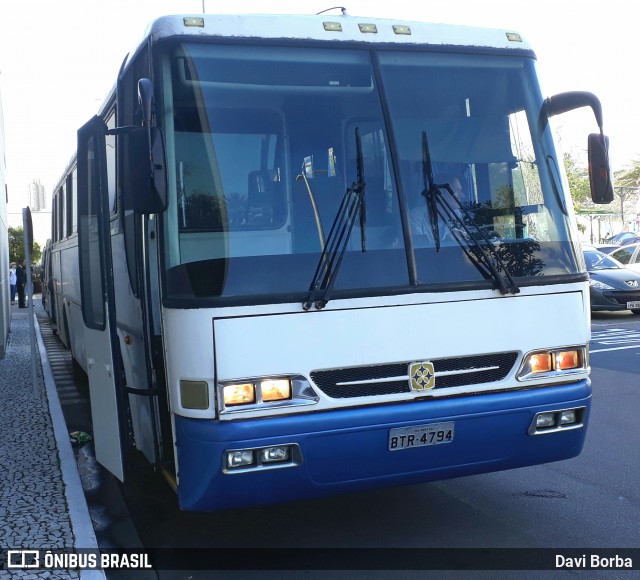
(628, 256)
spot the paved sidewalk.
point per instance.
(42, 504)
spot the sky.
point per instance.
(59, 59)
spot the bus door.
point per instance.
(106, 386)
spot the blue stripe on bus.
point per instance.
(347, 450)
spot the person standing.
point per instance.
(21, 281)
(13, 281)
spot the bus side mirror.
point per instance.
(145, 175)
(599, 170)
(598, 144)
(569, 101)
(145, 168)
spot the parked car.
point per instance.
(611, 285)
(628, 256)
(607, 248)
(623, 238)
(630, 240)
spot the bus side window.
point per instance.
(73, 186)
(54, 218)
(70, 206)
(61, 213)
(111, 162)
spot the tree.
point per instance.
(578, 178)
(627, 184)
(16, 247)
(629, 177)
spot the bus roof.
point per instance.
(334, 28)
(327, 27)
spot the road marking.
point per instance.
(615, 336)
(617, 331)
(613, 348)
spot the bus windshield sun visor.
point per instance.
(464, 229)
(352, 205)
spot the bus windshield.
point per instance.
(261, 150)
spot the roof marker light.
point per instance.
(193, 21)
(368, 28)
(332, 26)
(514, 37)
(401, 29)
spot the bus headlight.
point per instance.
(568, 359)
(553, 363)
(255, 392)
(568, 417)
(276, 454)
(239, 394)
(540, 363)
(261, 458)
(546, 422)
(251, 394)
(275, 389)
(241, 458)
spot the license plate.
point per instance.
(633, 305)
(421, 435)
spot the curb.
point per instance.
(83, 532)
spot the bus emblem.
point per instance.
(422, 377)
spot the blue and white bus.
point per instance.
(309, 255)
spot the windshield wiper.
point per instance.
(352, 204)
(483, 256)
(430, 190)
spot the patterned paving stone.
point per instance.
(33, 505)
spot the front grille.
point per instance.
(622, 297)
(391, 379)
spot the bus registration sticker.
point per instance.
(421, 435)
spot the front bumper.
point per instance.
(611, 300)
(347, 450)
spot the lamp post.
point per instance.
(27, 224)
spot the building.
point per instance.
(37, 199)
